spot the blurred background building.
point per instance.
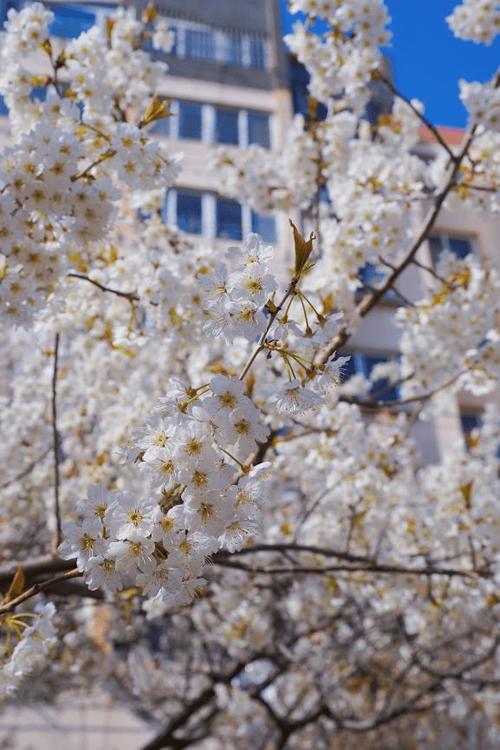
(232, 82)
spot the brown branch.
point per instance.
(26, 471)
(37, 588)
(368, 568)
(34, 567)
(165, 738)
(55, 447)
(130, 296)
(423, 119)
(370, 300)
(375, 405)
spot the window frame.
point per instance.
(223, 42)
(209, 214)
(190, 194)
(208, 132)
(359, 361)
(445, 237)
(178, 114)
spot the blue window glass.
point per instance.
(200, 45)
(38, 94)
(226, 126)
(257, 52)
(162, 126)
(371, 277)
(265, 226)
(469, 422)
(233, 49)
(460, 246)
(258, 129)
(348, 370)
(70, 21)
(436, 248)
(190, 120)
(381, 389)
(228, 219)
(363, 364)
(189, 216)
(4, 110)
(175, 31)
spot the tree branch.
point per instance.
(37, 588)
(55, 448)
(370, 300)
(130, 296)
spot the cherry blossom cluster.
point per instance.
(271, 184)
(196, 504)
(30, 653)
(463, 309)
(341, 59)
(61, 178)
(239, 303)
(475, 20)
(351, 578)
(482, 101)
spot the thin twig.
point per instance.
(55, 447)
(37, 588)
(429, 270)
(374, 568)
(130, 296)
(260, 345)
(370, 300)
(26, 471)
(404, 402)
(423, 119)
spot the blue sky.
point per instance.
(427, 59)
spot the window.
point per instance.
(234, 50)
(257, 52)
(258, 129)
(371, 277)
(204, 213)
(200, 45)
(469, 421)
(189, 120)
(189, 212)
(381, 390)
(70, 21)
(228, 218)
(38, 94)
(363, 364)
(265, 226)
(226, 126)
(461, 247)
(162, 126)
(198, 41)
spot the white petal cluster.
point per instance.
(482, 102)
(271, 184)
(341, 60)
(60, 181)
(463, 311)
(198, 502)
(30, 653)
(476, 20)
(233, 302)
